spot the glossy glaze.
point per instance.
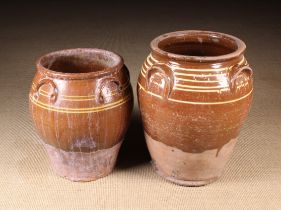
(194, 92)
(81, 101)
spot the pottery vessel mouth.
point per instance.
(79, 63)
(197, 46)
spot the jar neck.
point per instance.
(215, 65)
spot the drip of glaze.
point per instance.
(218, 150)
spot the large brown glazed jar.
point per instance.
(194, 92)
(81, 101)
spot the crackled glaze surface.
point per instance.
(195, 89)
(81, 101)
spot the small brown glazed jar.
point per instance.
(81, 101)
(194, 92)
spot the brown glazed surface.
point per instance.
(194, 92)
(81, 100)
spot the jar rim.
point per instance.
(116, 63)
(187, 35)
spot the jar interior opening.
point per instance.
(79, 61)
(198, 45)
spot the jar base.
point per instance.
(187, 168)
(186, 183)
(82, 166)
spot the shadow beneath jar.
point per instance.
(133, 151)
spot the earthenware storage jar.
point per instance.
(194, 92)
(80, 102)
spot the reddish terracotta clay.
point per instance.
(81, 101)
(194, 92)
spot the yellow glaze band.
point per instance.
(194, 102)
(79, 110)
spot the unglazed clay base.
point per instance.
(196, 183)
(188, 169)
(81, 166)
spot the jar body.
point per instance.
(192, 114)
(82, 122)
